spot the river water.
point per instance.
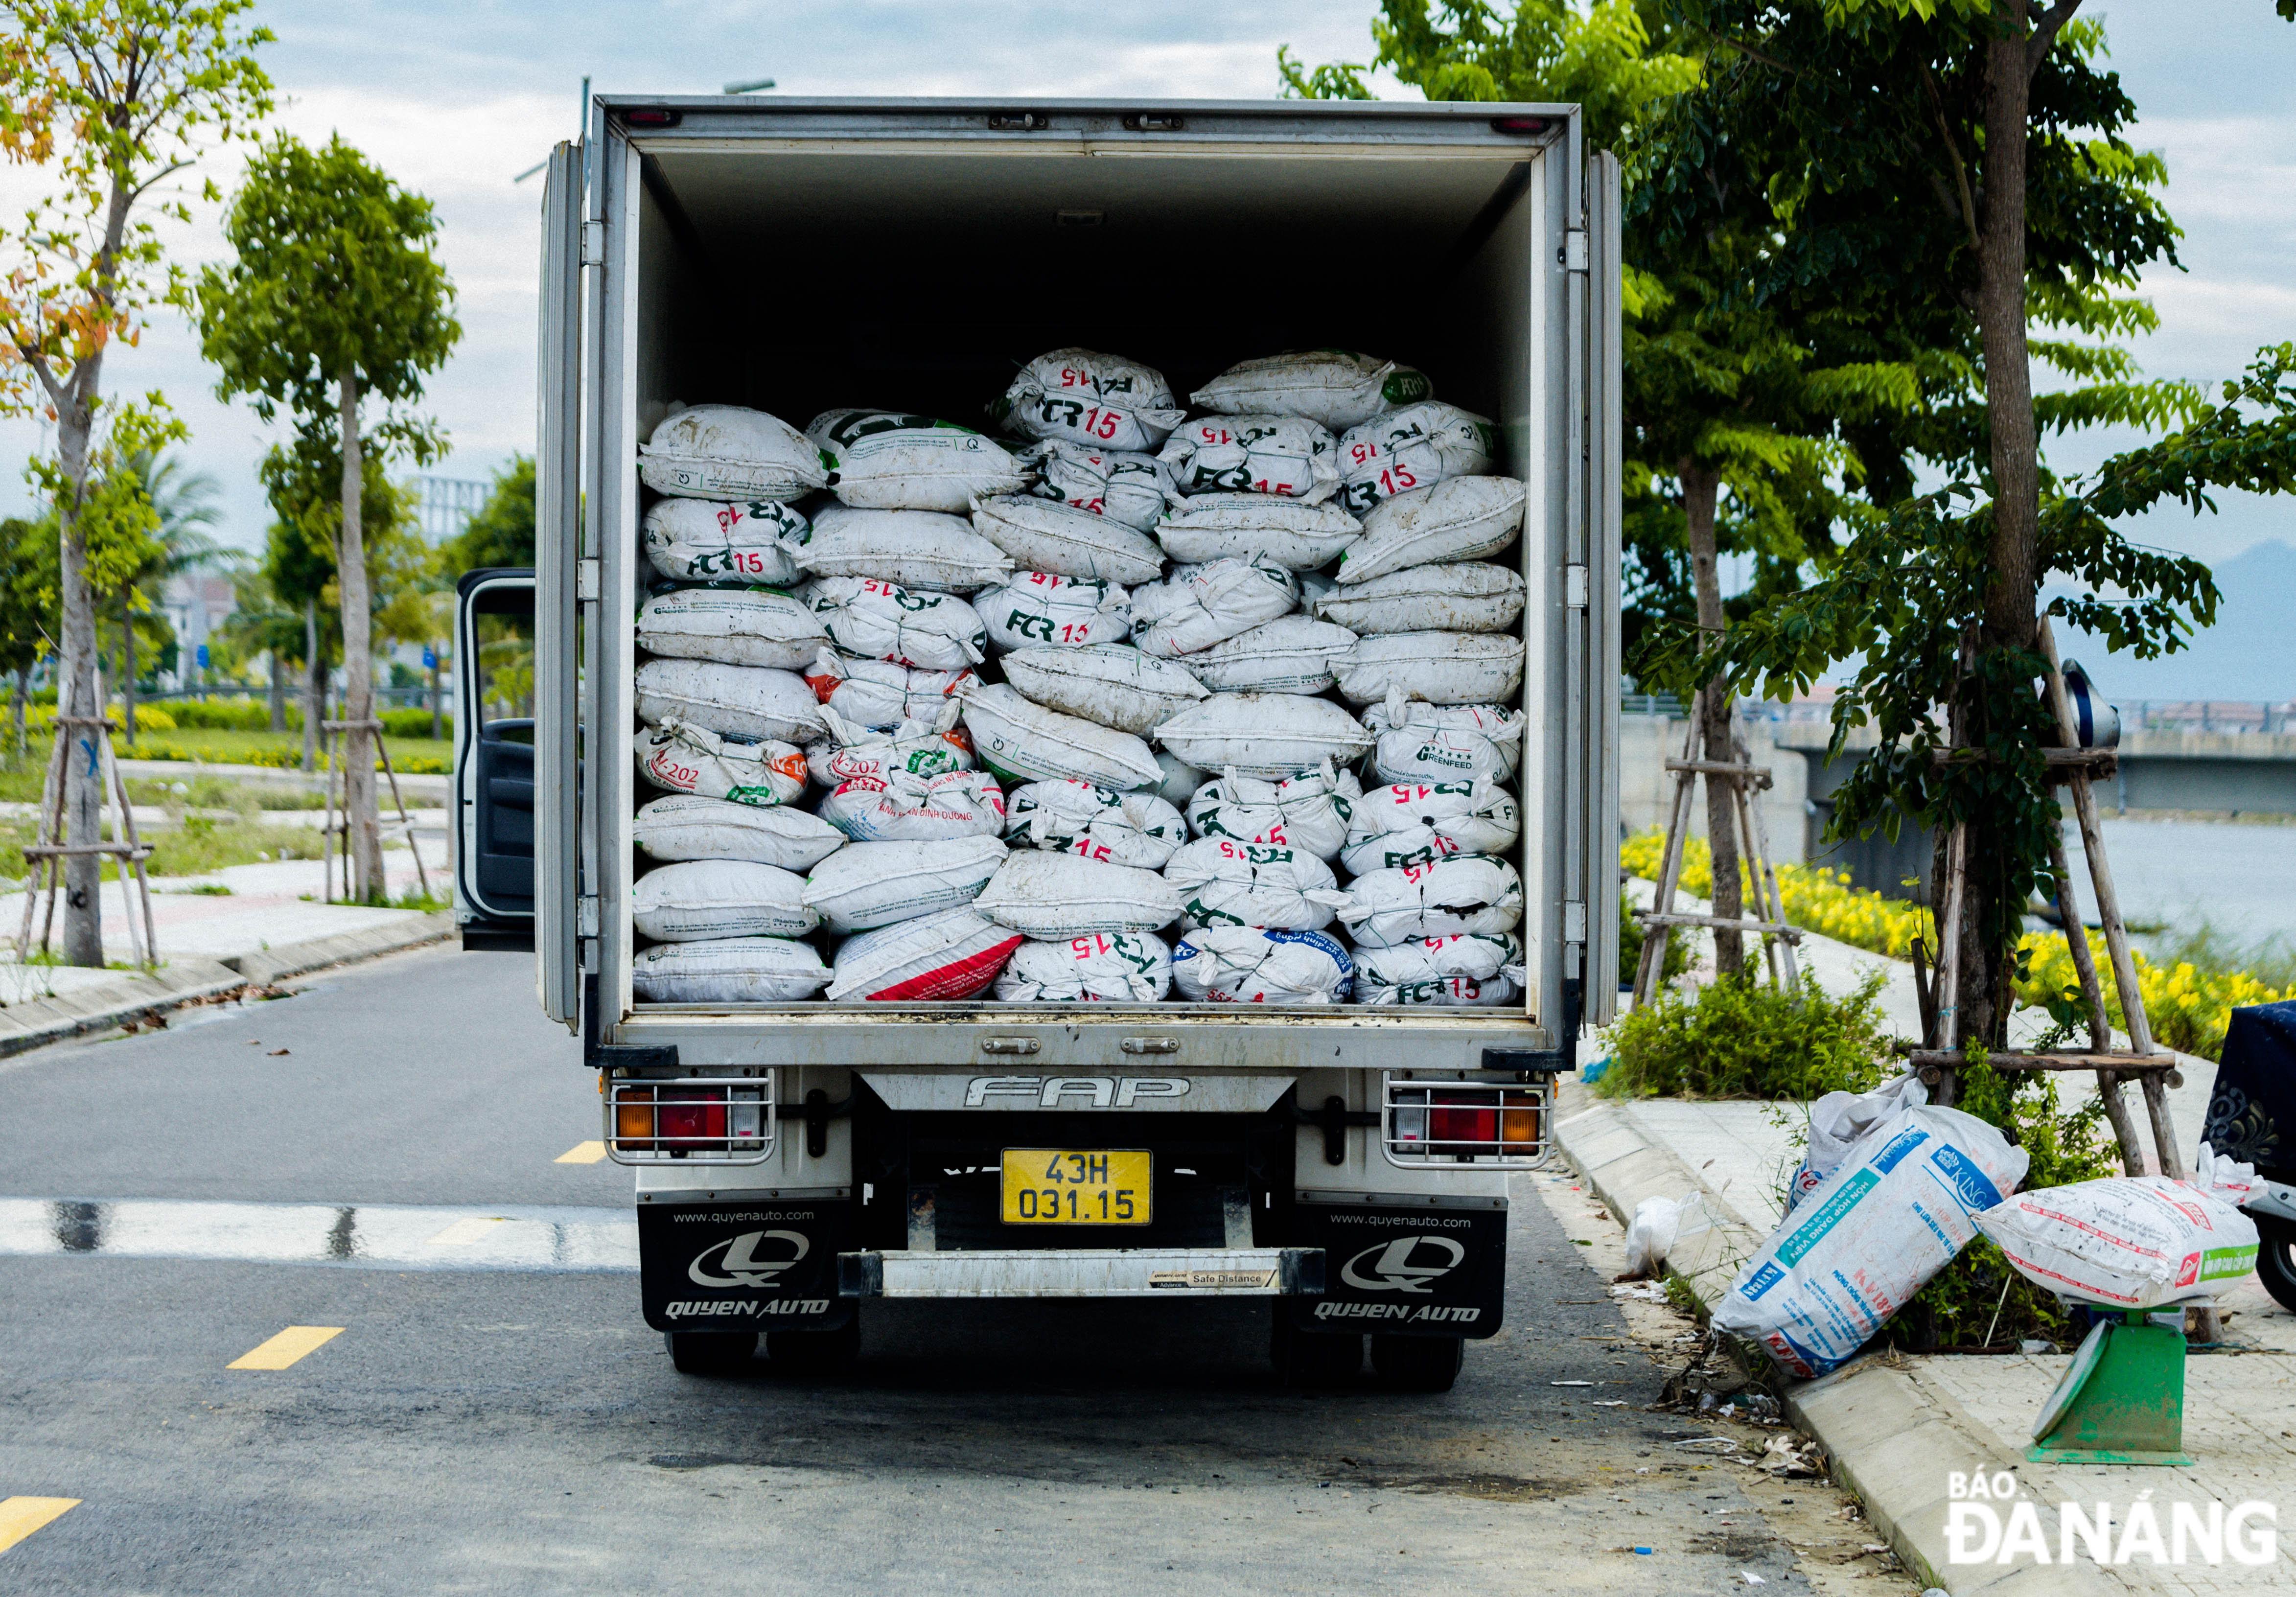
(2240, 879)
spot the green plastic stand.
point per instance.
(2121, 1402)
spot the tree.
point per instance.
(502, 532)
(112, 98)
(264, 622)
(183, 509)
(335, 296)
(27, 591)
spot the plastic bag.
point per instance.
(1413, 824)
(1386, 907)
(1022, 741)
(1418, 741)
(727, 970)
(2132, 1241)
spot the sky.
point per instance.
(455, 100)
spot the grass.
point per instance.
(283, 750)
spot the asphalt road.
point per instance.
(512, 1429)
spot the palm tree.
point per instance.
(184, 501)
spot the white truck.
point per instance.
(795, 1161)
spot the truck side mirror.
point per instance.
(494, 758)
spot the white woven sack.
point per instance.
(876, 884)
(877, 693)
(1335, 386)
(727, 970)
(1315, 588)
(1066, 895)
(1466, 970)
(1463, 518)
(1113, 684)
(1075, 817)
(1473, 894)
(1466, 596)
(699, 898)
(1038, 609)
(1415, 448)
(1271, 735)
(694, 540)
(684, 758)
(907, 749)
(741, 627)
(1225, 883)
(1022, 741)
(1257, 965)
(1286, 457)
(933, 959)
(1312, 811)
(724, 452)
(1442, 668)
(1181, 779)
(1292, 654)
(1101, 967)
(883, 620)
(923, 550)
(1130, 487)
(889, 461)
(1419, 742)
(1281, 532)
(753, 702)
(688, 826)
(1417, 823)
(2130, 1242)
(1044, 535)
(1210, 603)
(900, 808)
(1101, 401)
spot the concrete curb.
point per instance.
(24, 1027)
(1889, 1436)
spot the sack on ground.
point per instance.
(1464, 519)
(1417, 446)
(868, 885)
(2131, 1242)
(1418, 822)
(1286, 457)
(724, 452)
(1075, 817)
(1442, 668)
(877, 693)
(1449, 896)
(1044, 609)
(1081, 395)
(1467, 596)
(687, 826)
(1208, 604)
(1113, 684)
(1312, 811)
(889, 461)
(753, 702)
(1270, 735)
(1225, 883)
(1856, 1250)
(755, 627)
(684, 758)
(696, 540)
(1839, 1121)
(883, 620)
(1254, 964)
(934, 959)
(901, 809)
(727, 970)
(1290, 533)
(1066, 895)
(924, 550)
(1465, 969)
(1126, 487)
(1419, 742)
(698, 899)
(1101, 967)
(1292, 654)
(852, 753)
(1022, 741)
(1335, 386)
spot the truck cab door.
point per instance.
(494, 758)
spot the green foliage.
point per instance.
(1630, 947)
(221, 715)
(28, 593)
(1739, 1037)
(502, 533)
(412, 723)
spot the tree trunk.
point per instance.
(437, 709)
(358, 665)
(314, 685)
(1700, 487)
(76, 695)
(128, 666)
(278, 696)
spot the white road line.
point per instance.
(375, 1236)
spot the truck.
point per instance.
(795, 1163)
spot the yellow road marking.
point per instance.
(286, 1347)
(582, 1154)
(19, 1517)
(472, 1228)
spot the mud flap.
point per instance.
(741, 1267)
(1436, 1271)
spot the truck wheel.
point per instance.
(1308, 1358)
(711, 1351)
(814, 1352)
(1417, 1363)
(2275, 1261)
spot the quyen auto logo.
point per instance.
(1990, 1520)
(1410, 1264)
(738, 1257)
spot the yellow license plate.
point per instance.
(1063, 1186)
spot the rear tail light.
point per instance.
(708, 1120)
(1465, 1122)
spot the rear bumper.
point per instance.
(1085, 1273)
